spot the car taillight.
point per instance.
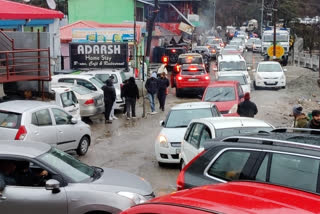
(21, 134)
(193, 68)
(89, 102)
(221, 45)
(180, 179)
(179, 77)
(213, 50)
(165, 59)
(121, 85)
(178, 68)
(173, 50)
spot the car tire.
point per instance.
(83, 146)
(255, 86)
(283, 87)
(178, 92)
(161, 164)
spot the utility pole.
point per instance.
(214, 15)
(155, 12)
(275, 11)
(261, 24)
(135, 52)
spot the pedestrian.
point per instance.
(123, 98)
(131, 94)
(247, 108)
(109, 94)
(300, 119)
(161, 69)
(112, 116)
(163, 84)
(152, 89)
(314, 123)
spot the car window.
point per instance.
(232, 66)
(188, 132)
(269, 68)
(195, 135)
(205, 135)
(87, 84)
(105, 77)
(216, 112)
(81, 90)
(41, 118)
(66, 80)
(290, 170)
(96, 82)
(220, 94)
(10, 120)
(225, 132)
(68, 99)
(240, 91)
(61, 117)
(123, 77)
(230, 165)
(190, 60)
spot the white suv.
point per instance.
(270, 75)
(200, 130)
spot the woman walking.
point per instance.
(131, 94)
(163, 84)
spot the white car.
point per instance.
(28, 120)
(167, 144)
(200, 130)
(236, 76)
(270, 75)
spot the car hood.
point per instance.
(225, 105)
(118, 180)
(270, 74)
(173, 134)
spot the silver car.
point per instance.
(46, 180)
(38, 121)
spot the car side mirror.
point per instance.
(285, 70)
(53, 185)
(73, 120)
(162, 123)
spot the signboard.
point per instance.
(98, 55)
(279, 51)
(186, 28)
(102, 34)
(193, 17)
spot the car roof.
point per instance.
(269, 198)
(231, 73)
(72, 76)
(222, 83)
(23, 148)
(231, 57)
(189, 54)
(232, 122)
(20, 106)
(193, 105)
(268, 62)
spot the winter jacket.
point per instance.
(152, 85)
(109, 92)
(130, 90)
(247, 109)
(301, 121)
(312, 125)
(163, 84)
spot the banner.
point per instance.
(186, 28)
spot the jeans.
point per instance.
(131, 104)
(151, 100)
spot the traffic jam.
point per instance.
(100, 116)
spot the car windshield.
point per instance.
(10, 120)
(81, 90)
(215, 41)
(236, 43)
(104, 77)
(269, 68)
(232, 66)
(96, 82)
(65, 163)
(257, 42)
(226, 132)
(220, 94)
(240, 79)
(190, 60)
(181, 118)
(280, 38)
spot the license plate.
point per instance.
(271, 82)
(178, 151)
(193, 80)
(99, 102)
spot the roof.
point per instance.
(269, 62)
(15, 10)
(231, 57)
(220, 198)
(23, 148)
(190, 54)
(193, 105)
(222, 83)
(20, 106)
(231, 73)
(72, 76)
(232, 122)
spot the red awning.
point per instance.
(13, 10)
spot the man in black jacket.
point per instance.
(109, 94)
(247, 108)
(152, 88)
(315, 121)
(131, 94)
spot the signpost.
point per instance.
(278, 51)
(186, 28)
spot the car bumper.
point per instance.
(119, 104)
(167, 155)
(191, 85)
(271, 84)
(91, 110)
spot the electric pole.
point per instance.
(275, 11)
(214, 15)
(261, 24)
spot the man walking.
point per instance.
(163, 84)
(152, 88)
(109, 94)
(247, 108)
(131, 94)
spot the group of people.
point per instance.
(301, 120)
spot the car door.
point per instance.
(70, 103)
(41, 128)
(30, 199)
(191, 147)
(66, 132)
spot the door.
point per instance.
(191, 146)
(66, 132)
(41, 128)
(70, 103)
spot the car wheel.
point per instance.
(283, 87)
(255, 86)
(161, 164)
(83, 146)
(178, 92)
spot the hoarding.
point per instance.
(112, 34)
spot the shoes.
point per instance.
(154, 112)
(128, 118)
(115, 118)
(108, 121)
(134, 117)
(110, 118)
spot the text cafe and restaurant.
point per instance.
(108, 46)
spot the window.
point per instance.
(229, 166)
(220, 94)
(195, 135)
(139, 14)
(220, 133)
(10, 120)
(240, 91)
(105, 77)
(290, 170)
(66, 80)
(86, 84)
(61, 117)
(68, 99)
(41, 118)
(205, 135)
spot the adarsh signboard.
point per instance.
(98, 55)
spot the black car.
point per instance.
(294, 163)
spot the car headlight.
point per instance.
(163, 141)
(136, 198)
(233, 109)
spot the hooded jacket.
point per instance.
(247, 109)
(109, 92)
(301, 121)
(130, 90)
(152, 84)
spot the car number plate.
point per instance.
(193, 80)
(271, 82)
(99, 102)
(178, 151)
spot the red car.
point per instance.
(191, 74)
(231, 198)
(226, 95)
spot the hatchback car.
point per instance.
(201, 130)
(66, 185)
(37, 121)
(257, 46)
(236, 197)
(286, 163)
(168, 142)
(236, 76)
(226, 95)
(269, 75)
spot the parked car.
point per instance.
(201, 130)
(226, 95)
(70, 186)
(37, 121)
(280, 162)
(204, 51)
(91, 103)
(269, 75)
(250, 42)
(192, 75)
(217, 42)
(168, 143)
(236, 76)
(257, 46)
(234, 197)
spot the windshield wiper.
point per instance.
(181, 126)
